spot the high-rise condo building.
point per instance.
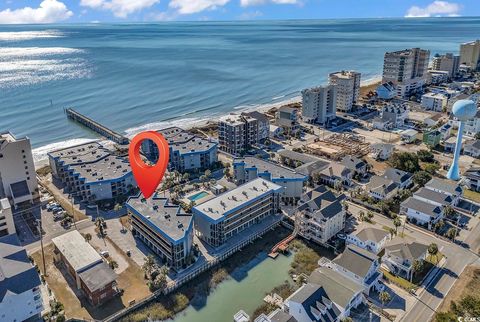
(319, 104)
(348, 88)
(406, 69)
(237, 133)
(470, 54)
(446, 63)
(18, 181)
(7, 225)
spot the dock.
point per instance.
(97, 127)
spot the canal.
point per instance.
(245, 289)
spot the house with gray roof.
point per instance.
(249, 168)
(275, 316)
(20, 296)
(163, 227)
(321, 215)
(402, 178)
(436, 198)
(421, 212)
(472, 179)
(355, 164)
(448, 187)
(359, 265)
(472, 148)
(369, 238)
(381, 188)
(400, 253)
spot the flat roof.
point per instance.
(218, 207)
(168, 218)
(184, 141)
(82, 153)
(79, 254)
(276, 171)
(98, 276)
(110, 167)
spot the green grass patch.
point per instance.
(472, 195)
(400, 282)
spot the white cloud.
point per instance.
(49, 11)
(120, 8)
(436, 8)
(250, 15)
(193, 6)
(246, 3)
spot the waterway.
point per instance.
(245, 290)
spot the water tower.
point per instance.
(463, 110)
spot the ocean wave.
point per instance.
(24, 66)
(40, 154)
(184, 123)
(29, 35)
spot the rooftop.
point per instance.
(432, 195)
(98, 276)
(422, 206)
(444, 185)
(185, 142)
(302, 157)
(397, 176)
(381, 185)
(373, 234)
(321, 203)
(357, 260)
(227, 202)
(79, 254)
(110, 167)
(17, 274)
(79, 154)
(263, 166)
(406, 249)
(170, 219)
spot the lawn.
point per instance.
(472, 195)
(401, 282)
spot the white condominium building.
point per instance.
(237, 133)
(348, 88)
(7, 225)
(221, 218)
(406, 69)
(434, 102)
(319, 104)
(470, 54)
(446, 63)
(18, 181)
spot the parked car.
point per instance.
(105, 253)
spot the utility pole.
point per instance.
(73, 211)
(39, 227)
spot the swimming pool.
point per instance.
(198, 196)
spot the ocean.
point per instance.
(133, 77)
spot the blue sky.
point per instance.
(52, 11)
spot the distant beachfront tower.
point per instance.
(463, 110)
(348, 89)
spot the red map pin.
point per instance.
(148, 177)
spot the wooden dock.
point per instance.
(97, 127)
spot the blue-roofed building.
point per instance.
(227, 215)
(92, 172)
(20, 297)
(163, 227)
(249, 168)
(188, 152)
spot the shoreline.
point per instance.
(40, 154)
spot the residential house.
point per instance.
(382, 151)
(472, 148)
(436, 198)
(356, 165)
(381, 188)
(446, 131)
(392, 116)
(335, 173)
(400, 255)
(421, 212)
(433, 120)
(432, 138)
(287, 118)
(446, 186)
(370, 238)
(472, 179)
(359, 265)
(321, 215)
(409, 136)
(402, 178)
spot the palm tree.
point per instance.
(392, 232)
(208, 173)
(433, 251)
(397, 223)
(186, 176)
(439, 225)
(449, 211)
(88, 237)
(361, 215)
(451, 233)
(149, 265)
(384, 298)
(417, 266)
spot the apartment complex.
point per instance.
(321, 215)
(446, 63)
(237, 133)
(434, 102)
(18, 181)
(163, 227)
(249, 168)
(319, 104)
(263, 124)
(470, 54)
(348, 88)
(221, 218)
(92, 172)
(91, 274)
(188, 152)
(406, 69)
(7, 225)
(20, 296)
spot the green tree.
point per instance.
(392, 232)
(397, 223)
(433, 251)
(426, 156)
(439, 225)
(384, 298)
(361, 215)
(113, 264)
(449, 211)
(432, 168)
(88, 237)
(421, 178)
(405, 161)
(417, 266)
(451, 233)
(149, 265)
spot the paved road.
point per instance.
(457, 258)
